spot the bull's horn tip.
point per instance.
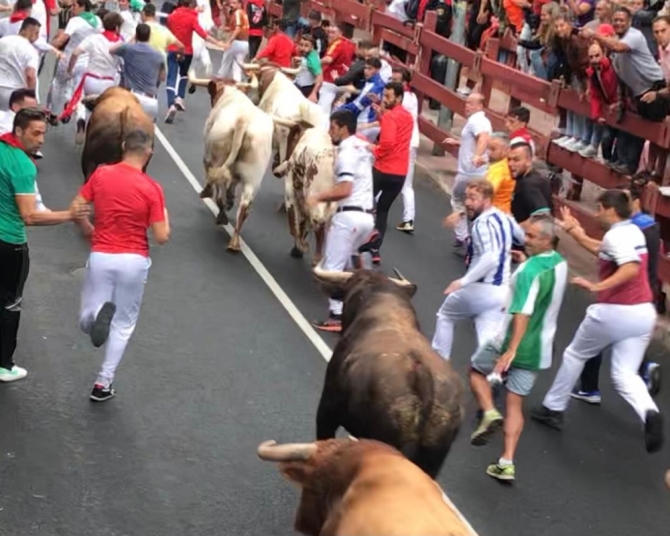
(399, 275)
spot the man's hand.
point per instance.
(313, 98)
(518, 256)
(567, 221)
(587, 33)
(312, 200)
(581, 282)
(450, 141)
(451, 220)
(453, 287)
(505, 362)
(478, 161)
(79, 210)
(649, 96)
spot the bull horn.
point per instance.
(289, 452)
(401, 282)
(399, 275)
(250, 66)
(202, 82)
(254, 81)
(331, 276)
(240, 85)
(290, 72)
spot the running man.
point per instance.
(126, 202)
(623, 318)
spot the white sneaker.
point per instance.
(562, 140)
(589, 152)
(17, 373)
(573, 145)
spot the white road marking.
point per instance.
(272, 284)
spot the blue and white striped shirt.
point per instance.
(493, 233)
(362, 105)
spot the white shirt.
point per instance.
(13, 28)
(411, 104)
(476, 124)
(130, 21)
(386, 71)
(354, 164)
(492, 235)
(16, 55)
(78, 30)
(100, 61)
(397, 10)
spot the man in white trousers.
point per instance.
(236, 46)
(481, 294)
(126, 202)
(623, 318)
(353, 222)
(411, 104)
(472, 159)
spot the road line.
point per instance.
(272, 284)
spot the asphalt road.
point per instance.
(217, 365)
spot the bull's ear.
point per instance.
(294, 471)
(410, 290)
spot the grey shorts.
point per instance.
(519, 381)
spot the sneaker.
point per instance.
(376, 257)
(573, 146)
(16, 373)
(169, 118)
(332, 324)
(652, 377)
(561, 141)
(81, 132)
(100, 329)
(406, 226)
(653, 431)
(491, 422)
(100, 393)
(191, 89)
(179, 104)
(548, 417)
(501, 472)
(592, 397)
(589, 152)
(622, 169)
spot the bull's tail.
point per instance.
(422, 384)
(225, 174)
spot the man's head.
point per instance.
(474, 103)
(478, 198)
(314, 19)
(30, 125)
(603, 11)
(362, 48)
(661, 28)
(621, 20)
(334, 31)
(124, 5)
(563, 25)
(342, 125)
(138, 146)
(498, 146)
(372, 66)
(148, 12)
(142, 33)
(596, 54)
(306, 44)
(520, 158)
(635, 5)
(540, 234)
(22, 98)
(30, 29)
(393, 94)
(613, 206)
(23, 6)
(185, 3)
(401, 75)
(112, 22)
(80, 6)
(517, 118)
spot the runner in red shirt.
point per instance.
(280, 48)
(126, 203)
(335, 63)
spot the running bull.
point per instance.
(238, 147)
(384, 381)
(362, 488)
(114, 112)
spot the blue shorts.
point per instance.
(519, 381)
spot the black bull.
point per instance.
(384, 380)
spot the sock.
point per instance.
(490, 413)
(502, 462)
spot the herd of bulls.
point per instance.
(384, 383)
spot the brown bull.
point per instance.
(384, 381)
(362, 488)
(115, 112)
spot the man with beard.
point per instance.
(482, 292)
(623, 318)
(532, 192)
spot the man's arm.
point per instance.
(31, 77)
(27, 205)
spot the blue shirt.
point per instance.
(142, 65)
(361, 107)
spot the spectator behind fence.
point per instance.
(318, 33)
(541, 45)
(516, 123)
(661, 29)
(603, 12)
(642, 20)
(581, 10)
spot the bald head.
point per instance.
(474, 103)
(498, 146)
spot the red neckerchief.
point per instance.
(18, 16)
(11, 140)
(112, 37)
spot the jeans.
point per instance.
(579, 127)
(390, 187)
(177, 76)
(628, 150)
(14, 268)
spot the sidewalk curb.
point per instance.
(425, 173)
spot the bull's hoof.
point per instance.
(296, 253)
(276, 161)
(222, 218)
(279, 174)
(234, 246)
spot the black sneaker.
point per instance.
(101, 393)
(653, 431)
(333, 324)
(191, 89)
(100, 329)
(550, 418)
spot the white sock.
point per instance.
(502, 462)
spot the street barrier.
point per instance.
(550, 97)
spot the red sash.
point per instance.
(78, 94)
(18, 16)
(11, 140)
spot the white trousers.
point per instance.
(117, 278)
(347, 232)
(232, 58)
(92, 86)
(149, 104)
(627, 329)
(327, 96)
(407, 192)
(202, 61)
(62, 87)
(483, 302)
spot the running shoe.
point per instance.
(100, 393)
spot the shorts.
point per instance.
(518, 381)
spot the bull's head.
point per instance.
(216, 86)
(342, 283)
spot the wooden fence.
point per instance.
(549, 97)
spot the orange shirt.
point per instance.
(239, 19)
(500, 176)
(514, 14)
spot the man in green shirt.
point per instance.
(524, 346)
(310, 76)
(18, 208)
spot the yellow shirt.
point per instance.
(500, 177)
(160, 37)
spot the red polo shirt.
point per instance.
(126, 203)
(342, 52)
(395, 134)
(182, 22)
(280, 50)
